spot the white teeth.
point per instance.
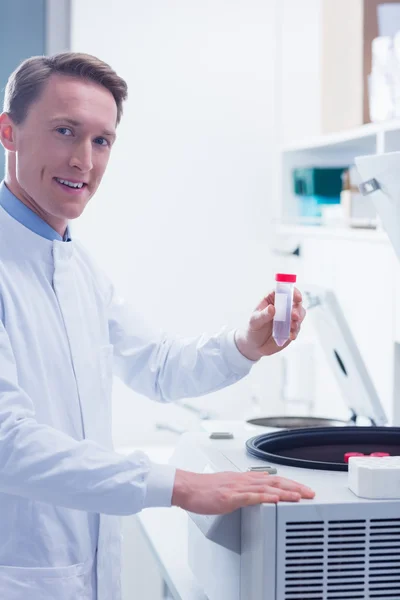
(70, 184)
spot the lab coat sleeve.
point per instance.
(167, 369)
(43, 464)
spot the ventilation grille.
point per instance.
(342, 560)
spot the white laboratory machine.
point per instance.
(341, 545)
(338, 546)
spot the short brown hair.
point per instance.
(25, 84)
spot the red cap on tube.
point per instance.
(285, 278)
(350, 454)
(380, 454)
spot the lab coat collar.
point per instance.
(24, 215)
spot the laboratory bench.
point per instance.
(165, 530)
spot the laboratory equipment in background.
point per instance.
(384, 79)
(317, 188)
(338, 545)
(380, 175)
(283, 307)
(358, 211)
(380, 81)
(335, 546)
(331, 196)
(396, 75)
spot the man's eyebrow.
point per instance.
(75, 123)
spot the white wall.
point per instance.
(299, 70)
(181, 219)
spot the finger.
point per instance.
(260, 480)
(295, 325)
(297, 297)
(255, 477)
(303, 312)
(288, 484)
(251, 498)
(298, 312)
(270, 299)
(295, 328)
(259, 318)
(266, 301)
(282, 483)
(284, 495)
(296, 315)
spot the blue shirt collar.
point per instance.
(24, 215)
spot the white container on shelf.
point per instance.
(380, 81)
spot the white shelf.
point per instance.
(331, 232)
(336, 149)
(343, 137)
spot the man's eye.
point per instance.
(101, 141)
(64, 130)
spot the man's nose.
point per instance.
(82, 157)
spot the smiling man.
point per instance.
(59, 148)
(63, 334)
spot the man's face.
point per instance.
(63, 146)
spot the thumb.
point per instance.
(259, 318)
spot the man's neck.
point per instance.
(60, 226)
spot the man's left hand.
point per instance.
(256, 340)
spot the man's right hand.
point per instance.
(220, 493)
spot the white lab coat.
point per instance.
(62, 334)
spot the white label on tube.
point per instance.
(280, 306)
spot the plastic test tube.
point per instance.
(283, 307)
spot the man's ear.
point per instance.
(7, 132)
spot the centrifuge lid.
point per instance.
(343, 355)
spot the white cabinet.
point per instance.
(140, 577)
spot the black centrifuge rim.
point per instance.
(307, 435)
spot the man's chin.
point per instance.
(73, 211)
(70, 215)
